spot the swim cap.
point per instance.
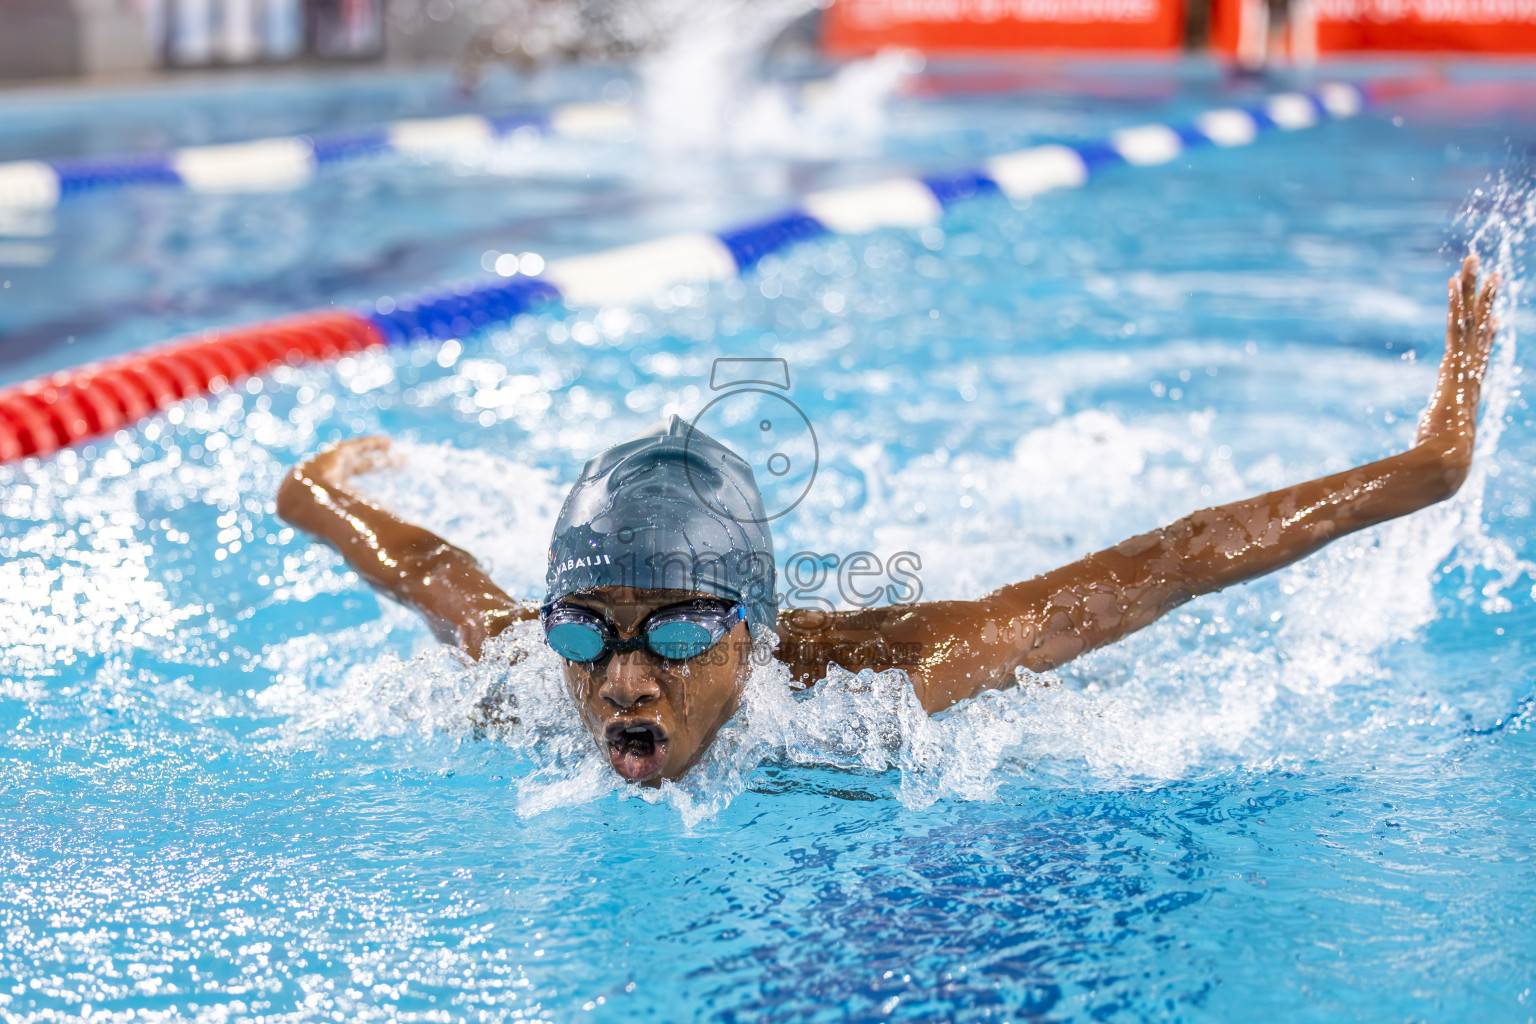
(672, 508)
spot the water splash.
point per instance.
(836, 118)
(1499, 219)
(704, 87)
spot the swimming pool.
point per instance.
(236, 784)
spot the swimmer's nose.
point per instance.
(628, 683)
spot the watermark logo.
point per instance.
(861, 580)
(754, 417)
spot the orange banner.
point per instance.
(1450, 26)
(940, 26)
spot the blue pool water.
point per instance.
(236, 785)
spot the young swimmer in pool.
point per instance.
(661, 569)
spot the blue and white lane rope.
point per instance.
(280, 164)
(637, 272)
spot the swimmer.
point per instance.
(661, 571)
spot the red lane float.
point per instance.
(41, 417)
(10, 441)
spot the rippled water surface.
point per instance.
(236, 784)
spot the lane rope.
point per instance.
(44, 415)
(289, 162)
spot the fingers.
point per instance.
(1455, 320)
(345, 459)
(1470, 325)
(1469, 281)
(1469, 332)
(366, 454)
(362, 446)
(1487, 324)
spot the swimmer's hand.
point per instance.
(413, 565)
(1449, 425)
(957, 649)
(339, 463)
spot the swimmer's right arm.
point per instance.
(413, 565)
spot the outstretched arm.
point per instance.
(964, 647)
(414, 566)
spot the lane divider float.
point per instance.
(45, 415)
(286, 163)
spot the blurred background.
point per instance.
(64, 38)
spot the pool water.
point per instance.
(236, 784)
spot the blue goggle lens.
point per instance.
(576, 641)
(680, 639)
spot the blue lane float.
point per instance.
(280, 164)
(453, 313)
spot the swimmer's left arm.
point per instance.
(414, 565)
(966, 647)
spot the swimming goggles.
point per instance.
(677, 632)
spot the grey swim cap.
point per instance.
(672, 508)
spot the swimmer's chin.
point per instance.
(637, 750)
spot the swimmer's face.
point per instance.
(653, 717)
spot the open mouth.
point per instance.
(637, 750)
